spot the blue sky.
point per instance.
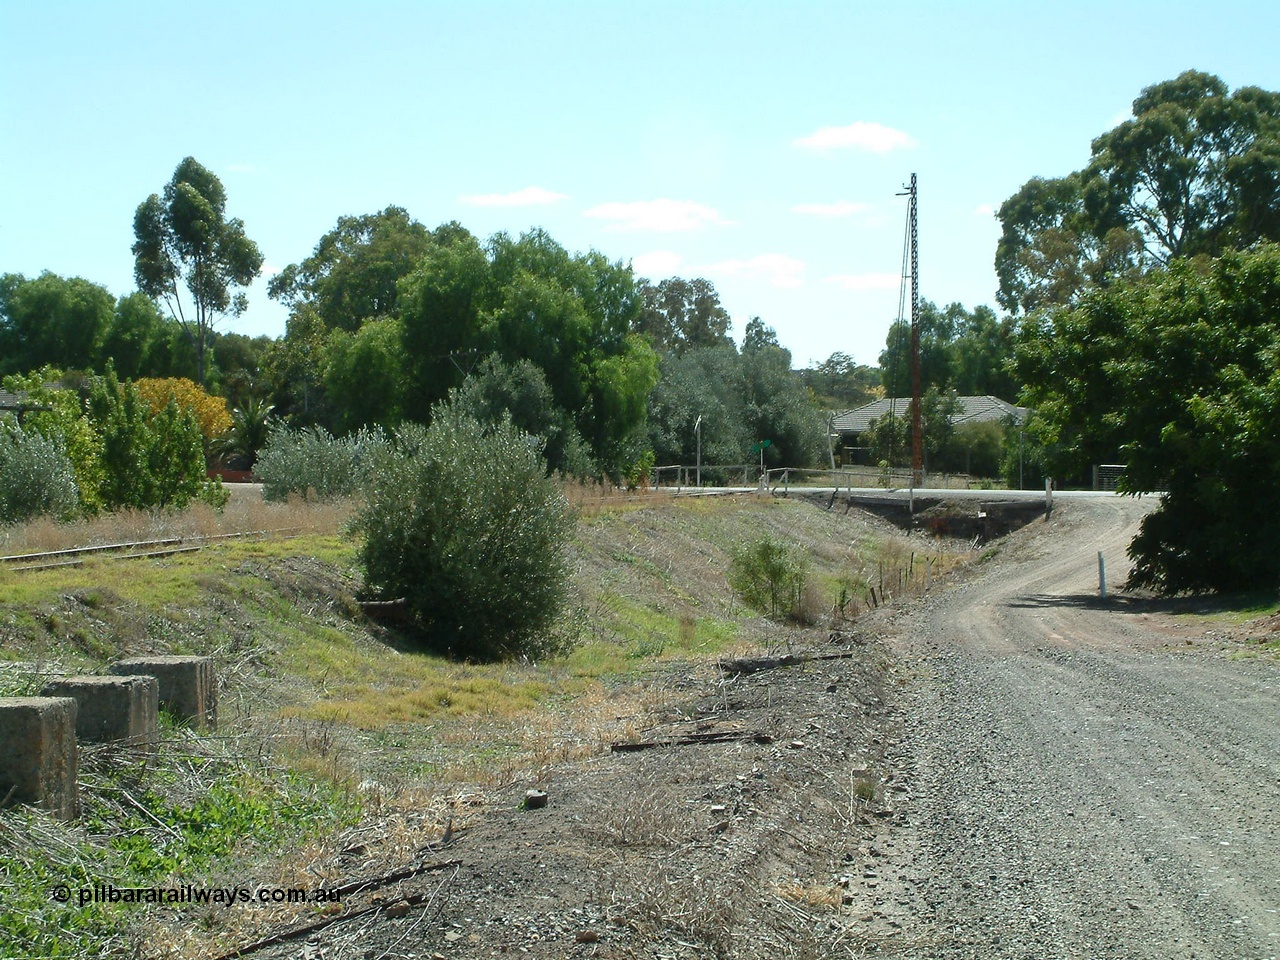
(760, 145)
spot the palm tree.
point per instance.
(250, 425)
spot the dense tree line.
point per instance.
(441, 306)
(960, 351)
(74, 324)
(388, 318)
(742, 398)
(610, 370)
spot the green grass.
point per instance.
(627, 634)
(1241, 608)
(148, 824)
(329, 549)
(652, 589)
(147, 582)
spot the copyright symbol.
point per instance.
(62, 893)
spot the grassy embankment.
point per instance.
(328, 717)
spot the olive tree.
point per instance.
(462, 522)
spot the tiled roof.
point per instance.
(972, 410)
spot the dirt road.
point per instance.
(1085, 783)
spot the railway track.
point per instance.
(134, 550)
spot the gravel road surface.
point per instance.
(1086, 782)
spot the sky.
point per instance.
(762, 146)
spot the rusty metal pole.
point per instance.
(917, 437)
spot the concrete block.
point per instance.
(188, 686)
(39, 761)
(112, 709)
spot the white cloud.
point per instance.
(984, 210)
(841, 208)
(659, 216)
(657, 263)
(777, 268)
(866, 281)
(870, 137)
(268, 269)
(528, 197)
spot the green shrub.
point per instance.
(975, 449)
(520, 392)
(36, 476)
(461, 521)
(770, 577)
(59, 414)
(148, 459)
(313, 462)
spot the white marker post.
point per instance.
(1102, 576)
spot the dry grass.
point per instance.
(811, 893)
(654, 897)
(243, 514)
(644, 812)
(589, 498)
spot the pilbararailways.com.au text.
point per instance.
(188, 894)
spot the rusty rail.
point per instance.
(132, 550)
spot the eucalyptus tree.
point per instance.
(183, 239)
(1195, 171)
(678, 314)
(352, 274)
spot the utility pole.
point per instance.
(917, 437)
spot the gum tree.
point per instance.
(1194, 172)
(183, 239)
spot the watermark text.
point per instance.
(189, 895)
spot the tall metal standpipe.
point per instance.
(697, 431)
(917, 436)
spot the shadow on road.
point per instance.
(1146, 603)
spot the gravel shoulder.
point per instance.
(1085, 782)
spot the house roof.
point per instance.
(19, 402)
(972, 410)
